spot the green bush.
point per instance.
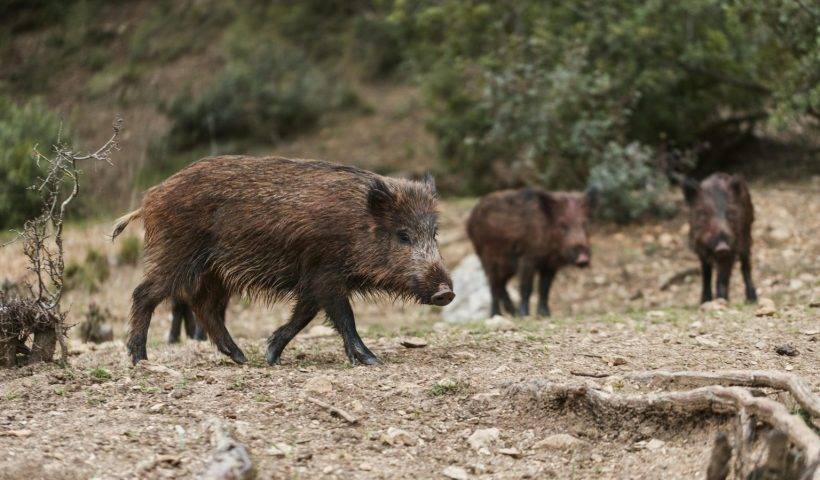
(268, 96)
(130, 250)
(88, 275)
(22, 128)
(629, 184)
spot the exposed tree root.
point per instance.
(710, 399)
(744, 378)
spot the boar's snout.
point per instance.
(722, 249)
(443, 296)
(582, 260)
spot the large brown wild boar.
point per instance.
(720, 230)
(272, 228)
(529, 231)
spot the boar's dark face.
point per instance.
(405, 230)
(711, 212)
(569, 215)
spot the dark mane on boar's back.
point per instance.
(275, 228)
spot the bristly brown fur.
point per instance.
(273, 228)
(528, 231)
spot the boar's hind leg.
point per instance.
(706, 272)
(498, 289)
(194, 329)
(209, 305)
(746, 269)
(526, 273)
(145, 299)
(303, 312)
(341, 316)
(724, 273)
(546, 275)
(180, 314)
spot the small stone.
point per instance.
(156, 368)
(413, 342)
(789, 367)
(706, 341)
(760, 345)
(156, 408)
(780, 234)
(463, 355)
(787, 350)
(655, 444)
(558, 441)
(616, 361)
(696, 325)
(396, 437)
(319, 384)
(500, 324)
(280, 449)
(365, 466)
(765, 307)
(796, 284)
(455, 473)
(713, 305)
(481, 440)
(655, 314)
(511, 452)
(16, 433)
(666, 239)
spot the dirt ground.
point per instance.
(100, 417)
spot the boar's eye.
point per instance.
(404, 237)
(564, 227)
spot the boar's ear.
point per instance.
(691, 187)
(736, 184)
(379, 197)
(592, 193)
(430, 183)
(547, 203)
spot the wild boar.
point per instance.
(181, 314)
(529, 231)
(275, 228)
(720, 230)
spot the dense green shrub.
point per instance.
(630, 185)
(88, 275)
(267, 96)
(22, 128)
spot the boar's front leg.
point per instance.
(526, 272)
(706, 272)
(341, 316)
(724, 273)
(746, 269)
(303, 312)
(546, 275)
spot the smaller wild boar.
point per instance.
(529, 231)
(720, 230)
(181, 314)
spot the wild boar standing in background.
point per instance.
(272, 227)
(720, 230)
(529, 231)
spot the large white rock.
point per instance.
(472, 302)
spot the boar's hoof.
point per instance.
(238, 357)
(361, 356)
(137, 353)
(751, 296)
(543, 312)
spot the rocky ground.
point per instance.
(441, 409)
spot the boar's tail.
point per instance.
(123, 222)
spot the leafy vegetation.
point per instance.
(130, 250)
(88, 275)
(22, 128)
(560, 94)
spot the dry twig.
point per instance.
(349, 418)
